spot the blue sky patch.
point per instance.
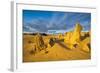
(44, 21)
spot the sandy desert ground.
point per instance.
(59, 51)
(50, 47)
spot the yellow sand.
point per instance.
(57, 52)
(74, 45)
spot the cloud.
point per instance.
(29, 29)
(52, 20)
(58, 21)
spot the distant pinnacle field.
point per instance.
(72, 45)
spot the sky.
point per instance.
(45, 21)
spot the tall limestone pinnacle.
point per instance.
(76, 35)
(74, 38)
(39, 42)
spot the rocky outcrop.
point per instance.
(74, 39)
(39, 43)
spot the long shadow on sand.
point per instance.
(61, 44)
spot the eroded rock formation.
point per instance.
(39, 43)
(73, 39)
